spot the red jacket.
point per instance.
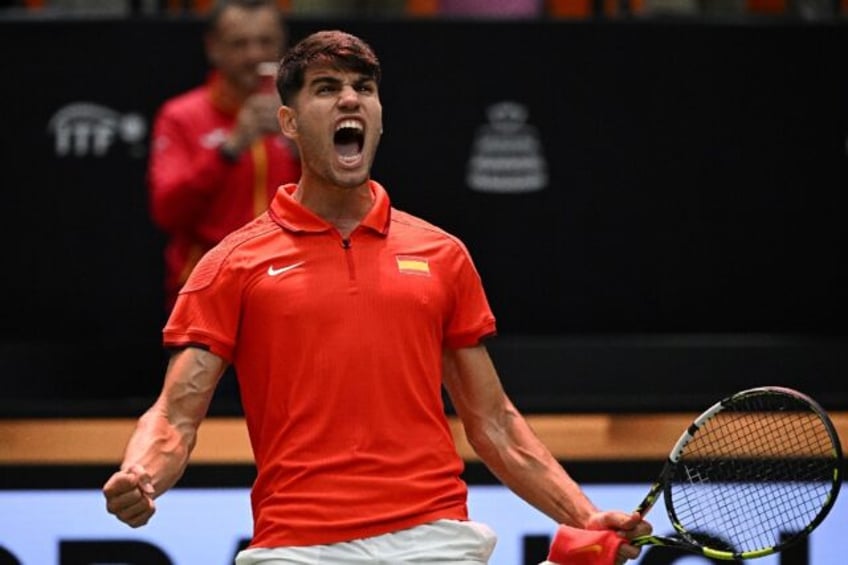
(196, 195)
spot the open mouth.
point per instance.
(348, 139)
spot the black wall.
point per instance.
(688, 241)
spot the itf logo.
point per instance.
(507, 154)
(84, 129)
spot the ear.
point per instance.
(287, 118)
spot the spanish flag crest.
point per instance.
(410, 265)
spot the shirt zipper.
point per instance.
(351, 271)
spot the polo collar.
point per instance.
(293, 216)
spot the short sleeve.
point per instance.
(471, 319)
(208, 307)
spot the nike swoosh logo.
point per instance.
(274, 272)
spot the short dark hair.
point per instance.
(335, 48)
(221, 5)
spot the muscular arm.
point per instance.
(512, 451)
(506, 443)
(158, 450)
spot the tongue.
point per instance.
(347, 148)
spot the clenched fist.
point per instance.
(129, 496)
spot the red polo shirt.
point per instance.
(338, 349)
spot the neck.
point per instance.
(342, 207)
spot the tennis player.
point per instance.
(344, 317)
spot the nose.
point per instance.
(348, 97)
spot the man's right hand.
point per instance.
(129, 496)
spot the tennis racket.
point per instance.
(754, 474)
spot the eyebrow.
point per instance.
(331, 80)
(324, 80)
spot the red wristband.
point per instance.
(575, 546)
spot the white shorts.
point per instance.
(442, 541)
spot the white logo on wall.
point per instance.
(82, 129)
(507, 154)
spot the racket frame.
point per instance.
(662, 486)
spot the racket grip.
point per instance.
(576, 546)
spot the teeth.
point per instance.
(349, 124)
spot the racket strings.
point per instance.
(761, 468)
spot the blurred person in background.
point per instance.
(217, 152)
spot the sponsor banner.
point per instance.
(209, 525)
